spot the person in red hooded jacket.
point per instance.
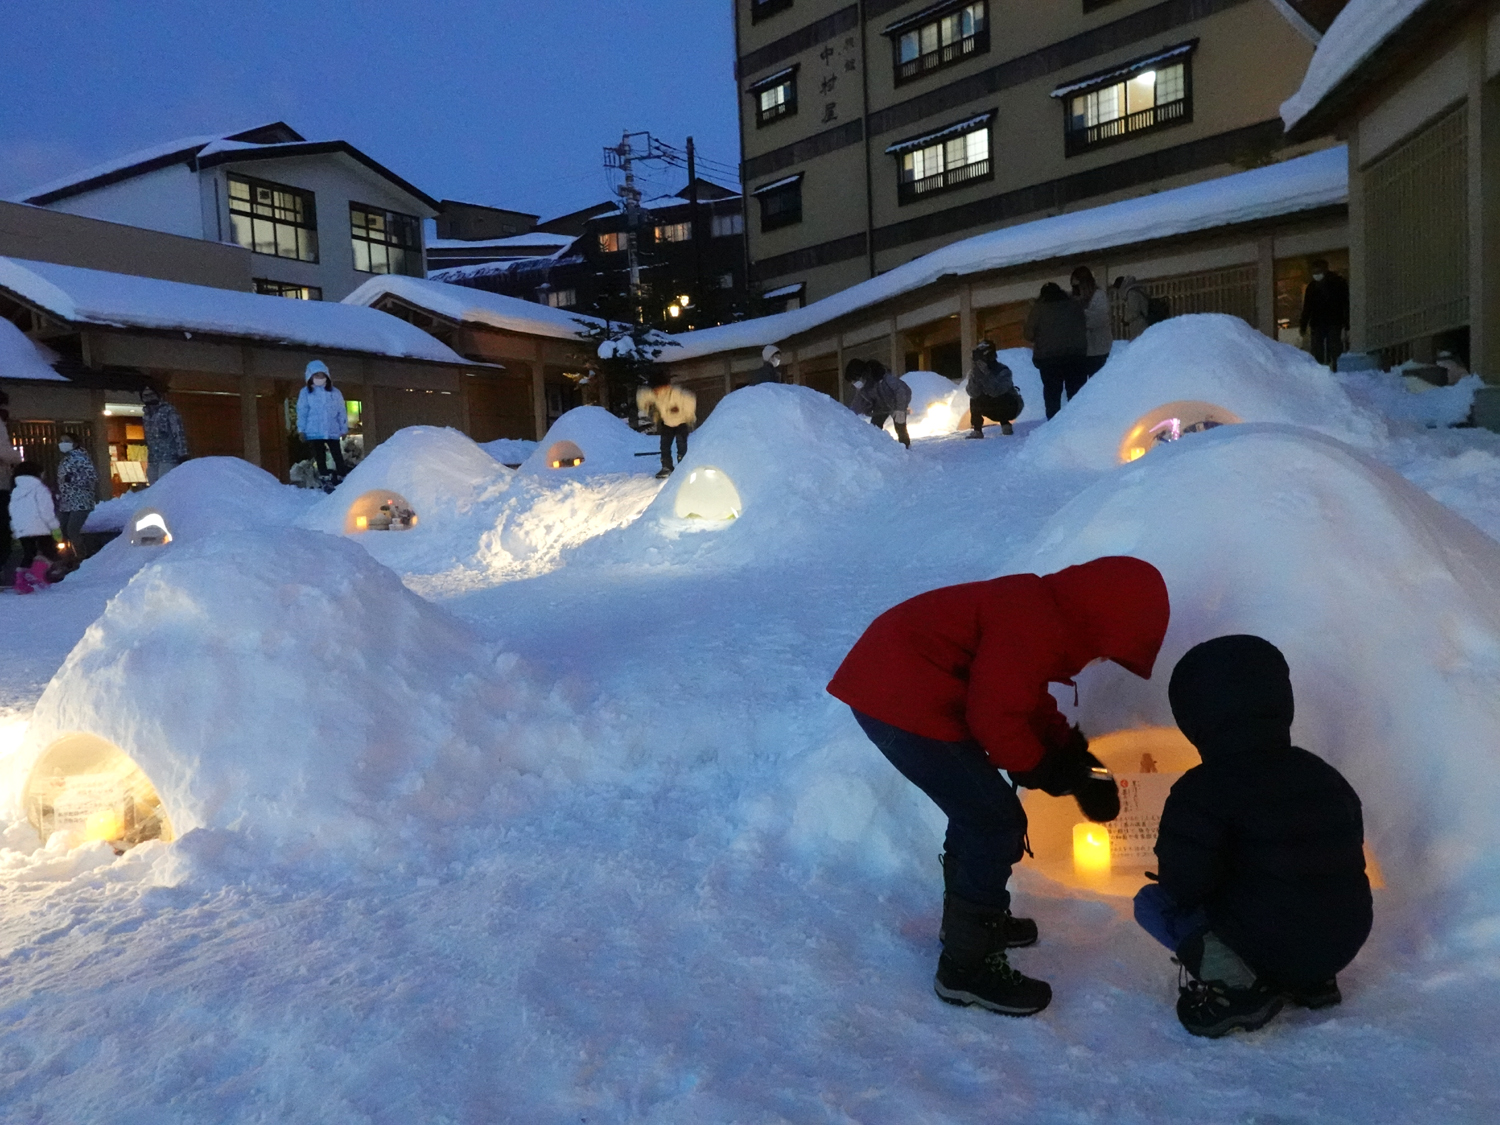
(952, 687)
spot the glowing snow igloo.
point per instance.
(148, 528)
(940, 405)
(200, 497)
(783, 451)
(281, 684)
(1203, 370)
(1385, 603)
(588, 440)
(435, 473)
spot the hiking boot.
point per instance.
(666, 471)
(1212, 1009)
(972, 434)
(1000, 928)
(990, 984)
(1324, 994)
(23, 581)
(1006, 428)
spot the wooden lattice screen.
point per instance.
(1417, 236)
(1229, 291)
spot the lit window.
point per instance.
(561, 298)
(727, 225)
(945, 162)
(939, 41)
(775, 97)
(273, 219)
(613, 241)
(1149, 98)
(674, 232)
(266, 287)
(385, 241)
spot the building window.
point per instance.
(780, 203)
(951, 158)
(939, 37)
(775, 97)
(385, 241)
(726, 280)
(764, 9)
(266, 287)
(674, 232)
(560, 298)
(273, 219)
(614, 241)
(1150, 94)
(726, 226)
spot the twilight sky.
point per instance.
(504, 102)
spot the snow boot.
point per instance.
(973, 968)
(1006, 428)
(1223, 994)
(1010, 932)
(39, 573)
(1324, 994)
(666, 471)
(974, 434)
(23, 582)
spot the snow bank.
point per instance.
(23, 358)
(607, 443)
(509, 451)
(1431, 407)
(1205, 357)
(1386, 604)
(284, 686)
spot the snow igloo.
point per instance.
(1190, 374)
(149, 528)
(588, 440)
(380, 509)
(1385, 603)
(88, 786)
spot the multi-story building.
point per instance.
(877, 131)
(319, 217)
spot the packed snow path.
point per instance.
(694, 926)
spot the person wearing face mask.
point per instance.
(769, 370)
(166, 440)
(1325, 313)
(77, 489)
(322, 419)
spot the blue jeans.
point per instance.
(986, 823)
(1160, 916)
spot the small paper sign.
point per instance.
(1132, 836)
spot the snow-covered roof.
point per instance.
(509, 242)
(1355, 34)
(182, 146)
(785, 291)
(23, 358)
(1320, 179)
(464, 305)
(774, 79)
(949, 131)
(1101, 77)
(781, 183)
(84, 296)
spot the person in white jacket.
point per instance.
(674, 410)
(33, 521)
(1097, 329)
(322, 418)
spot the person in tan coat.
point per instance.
(674, 409)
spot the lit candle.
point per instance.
(1091, 849)
(362, 522)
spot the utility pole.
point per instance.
(620, 157)
(698, 292)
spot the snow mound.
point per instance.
(205, 495)
(1203, 357)
(607, 443)
(509, 451)
(1431, 407)
(283, 685)
(1386, 604)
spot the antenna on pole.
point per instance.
(621, 156)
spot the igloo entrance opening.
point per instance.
(148, 528)
(379, 510)
(707, 494)
(564, 455)
(1169, 422)
(87, 785)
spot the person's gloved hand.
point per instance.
(57, 535)
(1071, 770)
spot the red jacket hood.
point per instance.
(1117, 608)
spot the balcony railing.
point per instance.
(1169, 113)
(909, 190)
(764, 117)
(974, 44)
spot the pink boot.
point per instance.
(38, 572)
(23, 581)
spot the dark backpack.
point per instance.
(1158, 309)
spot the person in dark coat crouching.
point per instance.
(1262, 894)
(992, 392)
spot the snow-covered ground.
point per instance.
(539, 812)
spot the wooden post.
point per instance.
(100, 427)
(1265, 286)
(843, 383)
(1484, 214)
(898, 351)
(369, 414)
(1358, 255)
(539, 392)
(968, 329)
(249, 421)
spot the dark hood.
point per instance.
(1117, 608)
(1233, 694)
